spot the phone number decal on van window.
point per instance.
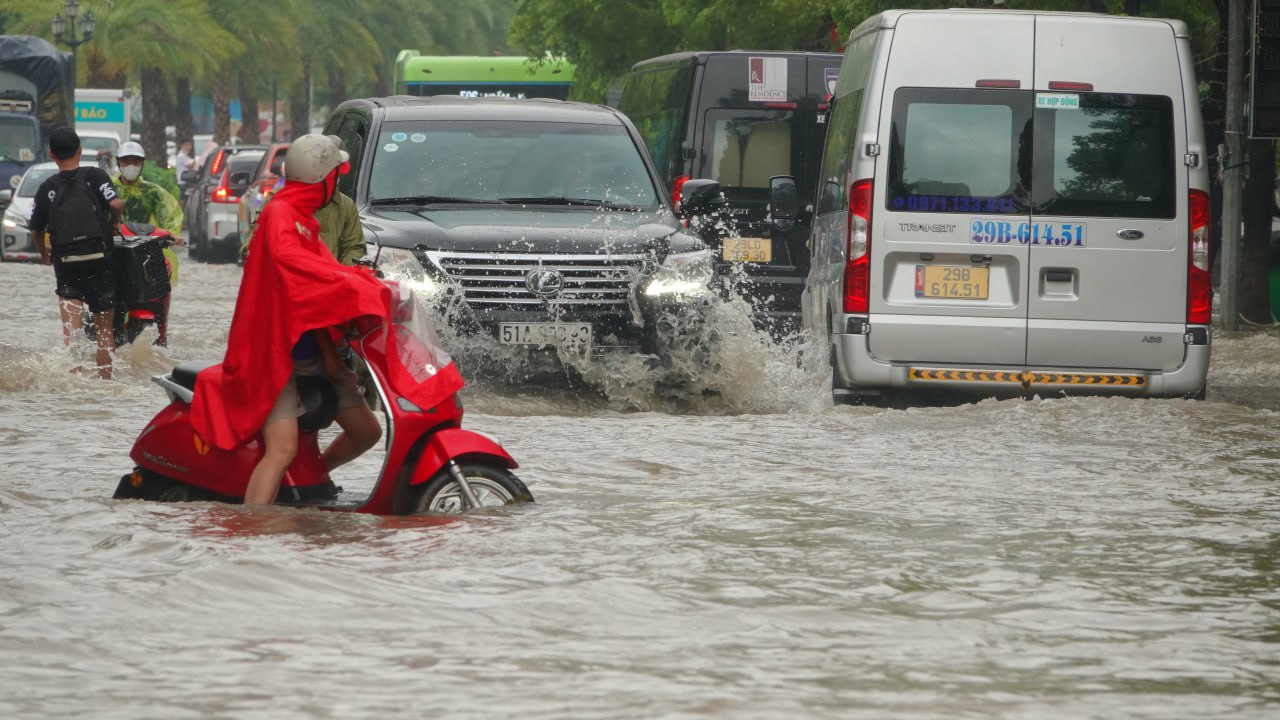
(999, 232)
(950, 203)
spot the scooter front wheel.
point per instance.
(492, 487)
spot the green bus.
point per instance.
(471, 76)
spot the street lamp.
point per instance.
(64, 30)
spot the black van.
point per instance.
(740, 117)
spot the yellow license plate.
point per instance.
(960, 282)
(747, 249)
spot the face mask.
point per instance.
(130, 172)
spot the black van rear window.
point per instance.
(747, 147)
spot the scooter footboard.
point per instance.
(454, 443)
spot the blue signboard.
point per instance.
(112, 112)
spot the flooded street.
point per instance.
(755, 553)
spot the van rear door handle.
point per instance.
(1057, 275)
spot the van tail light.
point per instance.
(677, 190)
(857, 267)
(1199, 285)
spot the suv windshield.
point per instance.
(500, 161)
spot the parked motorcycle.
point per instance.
(432, 463)
(146, 269)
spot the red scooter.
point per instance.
(432, 464)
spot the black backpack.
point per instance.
(78, 224)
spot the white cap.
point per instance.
(311, 158)
(131, 149)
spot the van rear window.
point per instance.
(1104, 155)
(1022, 151)
(749, 146)
(956, 151)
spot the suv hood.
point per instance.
(558, 230)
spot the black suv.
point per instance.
(540, 222)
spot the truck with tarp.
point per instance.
(36, 96)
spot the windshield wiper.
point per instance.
(561, 200)
(431, 200)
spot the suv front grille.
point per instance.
(491, 280)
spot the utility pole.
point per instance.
(1233, 165)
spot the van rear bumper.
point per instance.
(856, 372)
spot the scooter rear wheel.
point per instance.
(492, 486)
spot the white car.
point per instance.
(17, 245)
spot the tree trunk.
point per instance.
(221, 110)
(337, 86)
(1214, 113)
(300, 104)
(99, 71)
(1133, 8)
(381, 85)
(249, 130)
(155, 115)
(183, 125)
(1259, 202)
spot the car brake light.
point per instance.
(217, 162)
(857, 267)
(1199, 285)
(1070, 86)
(677, 188)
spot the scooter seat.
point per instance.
(185, 373)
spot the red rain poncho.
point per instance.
(291, 284)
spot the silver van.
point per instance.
(1010, 203)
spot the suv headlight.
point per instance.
(687, 273)
(405, 267)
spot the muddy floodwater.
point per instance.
(749, 551)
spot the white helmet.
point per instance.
(131, 149)
(312, 157)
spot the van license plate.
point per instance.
(747, 249)
(961, 282)
(545, 334)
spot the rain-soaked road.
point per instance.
(756, 553)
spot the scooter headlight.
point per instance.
(684, 274)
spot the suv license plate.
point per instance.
(574, 334)
(747, 249)
(961, 282)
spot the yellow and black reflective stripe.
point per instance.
(1027, 378)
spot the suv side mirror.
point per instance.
(784, 201)
(697, 197)
(189, 176)
(6, 196)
